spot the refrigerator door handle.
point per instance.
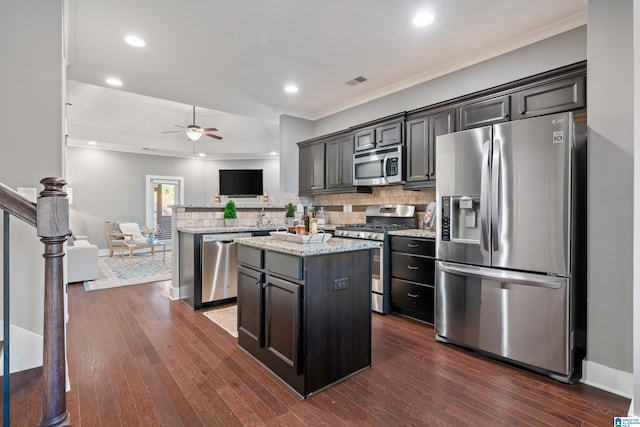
(485, 188)
(495, 195)
(499, 275)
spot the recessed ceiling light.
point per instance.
(291, 88)
(113, 81)
(423, 19)
(274, 153)
(135, 41)
(92, 143)
(202, 155)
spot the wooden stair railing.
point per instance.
(50, 216)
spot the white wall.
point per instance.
(31, 133)
(610, 266)
(292, 131)
(635, 409)
(109, 185)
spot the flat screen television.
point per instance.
(240, 182)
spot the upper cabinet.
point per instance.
(485, 112)
(339, 162)
(326, 165)
(311, 167)
(563, 95)
(388, 132)
(421, 146)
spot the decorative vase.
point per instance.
(230, 222)
(289, 220)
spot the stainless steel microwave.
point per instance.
(380, 166)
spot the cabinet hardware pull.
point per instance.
(265, 285)
(258, 282)
(412, 245)
(411, 267)
(412, 295)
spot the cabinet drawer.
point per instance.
(412, 267)
(285, 265)
(413, 299)
(250, 256)
(411, 245)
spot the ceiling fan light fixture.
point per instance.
(134, 41)
(193, 134)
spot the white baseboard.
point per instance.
(25, 348)
(608, 379)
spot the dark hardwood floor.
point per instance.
(136, 358)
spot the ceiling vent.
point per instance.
(356, 81)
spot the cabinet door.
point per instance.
(311, 173)
(418, 149)
(339, 162)
(484, 113)
(389, 134)
(564, 95)
(439, 124)
(283, 321)
(250, 307)
(364, 139)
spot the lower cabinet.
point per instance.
(413, 277)
(307, 319)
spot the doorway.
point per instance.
(163, 192)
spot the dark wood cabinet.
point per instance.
(282, 321)
(311, 167)
(307, 319)
(379, 135)
(485, 112)
(421, 145)
(413, 277)
(339, 162)
(554, 97)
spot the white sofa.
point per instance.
(82, 261)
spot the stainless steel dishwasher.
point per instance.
(220, 266)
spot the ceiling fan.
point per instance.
(194, 132)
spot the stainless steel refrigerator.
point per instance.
(511, 242)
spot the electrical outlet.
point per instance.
(345, 208)
(340, 284)
(299, 208)
(219, 215)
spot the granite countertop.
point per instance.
(334, 245)
(237, 229)
(415, 232)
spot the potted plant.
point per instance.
(291, 212)
(230, 214)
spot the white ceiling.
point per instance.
(232, 60)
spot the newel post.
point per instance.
(52, 222)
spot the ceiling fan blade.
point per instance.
(178, 126)
(210, 129)
(173, 131)
(211, 135)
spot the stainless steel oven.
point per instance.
(380, 166)
(379, 220)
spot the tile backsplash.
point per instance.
(334, 204)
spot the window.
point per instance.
(163, 192)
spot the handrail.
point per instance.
(17, 205)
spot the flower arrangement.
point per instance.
(149, 231)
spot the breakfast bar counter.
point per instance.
(304, 310)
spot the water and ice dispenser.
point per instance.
(461, 219)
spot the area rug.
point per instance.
(226, 318)
(115, 272)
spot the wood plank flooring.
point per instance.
(136, 358)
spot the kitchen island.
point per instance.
(304, 310)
